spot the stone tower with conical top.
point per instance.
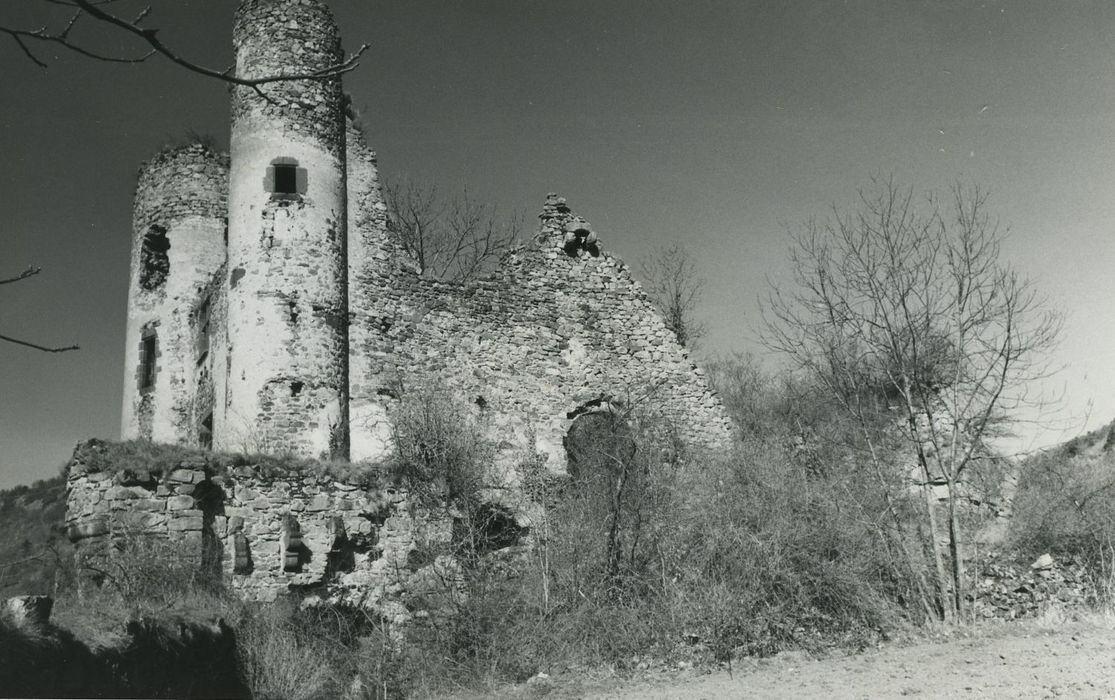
(287, 383)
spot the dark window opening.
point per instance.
(147, 352)
(286, 179)
(205, 433)
(296, 388)
(242, 555)
(295, 553)
(342, 555)
(203, 330)
(154, 263)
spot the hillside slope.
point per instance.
(32, 545)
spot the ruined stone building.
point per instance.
(271, 310)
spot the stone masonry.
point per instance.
(267, 530)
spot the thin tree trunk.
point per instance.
(947, 609)
(954, 552)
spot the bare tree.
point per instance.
(31, 271)
(64, 34)
(450, 239)
(671, 279)
(907, 311)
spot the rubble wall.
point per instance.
(559, 328)
(270, 531)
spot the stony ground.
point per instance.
(1043, 659)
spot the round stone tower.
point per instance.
(177, 249)
(287, 384)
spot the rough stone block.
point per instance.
(181, 502)
(182, 524)
(121, 493)
(187, 476)
(88, 528)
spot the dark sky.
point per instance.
(718, 125)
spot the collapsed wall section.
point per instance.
(267, 530)
(374, 261)
(178, 245)
(561, 327)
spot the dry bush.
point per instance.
(770, 557)
(1064, 506)
(282, 659)
(647, 550)
(438, 449)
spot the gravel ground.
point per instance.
(1074, 659)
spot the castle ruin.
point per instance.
(271, 310)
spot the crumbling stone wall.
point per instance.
(269, 530)
(178, 244)
(374, 259)
(559, 328)
(1007, 589)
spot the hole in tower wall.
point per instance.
(296, 388)
(154, 263)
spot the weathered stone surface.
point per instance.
(179, 524)
(180, 503)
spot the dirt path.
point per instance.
(1075, 660)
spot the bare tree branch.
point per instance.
(449, 239)
(31, 271)
(671, 279)
(149, 36)
(44, 348)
